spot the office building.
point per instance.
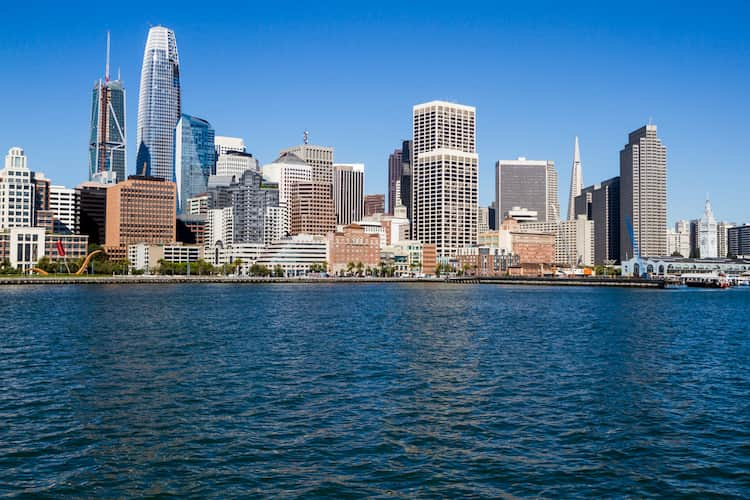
(444, 176)
(395, 171)
(140, 210)
(24, 246)
(251, 197)
(92, 211)
(145, 257)
(738, 241)
(678, 239)
(527, 184)
(722, 229)
(194, 158)
(320, 158)
(235, 164)
(219, 227)
(198, 205)
(374, 204)
(63, 202)
(483, 220)
(601, 203)
(17, 201)
(159, 105)
(287, 170)
(348, 191)
(574, 240)
(405, 183)
(226, 144)
(351, 244)
(311, 209)
(492, 217)
(643, 194)
(576, 181)
(708, 234)
(295, 255)
(107, 141)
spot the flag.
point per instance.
(60, 249)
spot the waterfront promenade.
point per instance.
(467, 280)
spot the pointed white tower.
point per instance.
(708, 233)
(576, 182)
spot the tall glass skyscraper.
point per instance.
(158, 105)
(107, 153)
(194, 154)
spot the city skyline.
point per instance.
(698, 162)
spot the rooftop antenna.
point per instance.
(305, 136)
(106, 69)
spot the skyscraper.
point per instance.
(374, 204)
(405, 185)
(601, 204)
(576, 182)
(159, 106)
(251, 197)
(107, 144)
(444, 176)
(194, 157)
(395, 170)
(16, 191)
(348, 192)
(643, 194)
(527, 184)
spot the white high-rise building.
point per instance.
(708, 234)
(348, 191)
(576, 182)
(16, 191)
(527, 184)
(224, 144)
(219, 227)
(64, 205)
(275, 224)
(444, 176)
(235, 163)
(722, 229)
(678, 239)
(288, 169)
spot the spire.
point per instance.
(576, 181)
(106, 67)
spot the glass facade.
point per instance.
(107, 142)
(158, 105)
(194, 158)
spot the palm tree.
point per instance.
(360, 267)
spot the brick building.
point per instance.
(352, 244)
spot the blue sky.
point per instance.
(539, 73)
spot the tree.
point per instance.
(360, 267)
(350, 267)
(278, 271)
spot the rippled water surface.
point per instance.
(373, 390)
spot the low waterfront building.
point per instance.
(677, 266)
(295, 255)
(352, 244)
(24, 246)
(574, 240)
(145, 257)
(486, 261)
(535, 249)
(410, 258)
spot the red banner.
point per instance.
(60, 249)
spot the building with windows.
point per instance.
(92, 211)
(738, 241)
(600, 203)
(527, 184)
(16, 191)
(311, 209)
(145, 257)
(226, 144)
(643, 194)
(159, 105)
(708, 234)
(722, 237)
(410, 258)
(576, 182)
(574, 240)
(24, 246)
(320, 159)
(194, 158)
(678, 239)
(395, 171)
(486, 261)
(63, 202)
(107, 141)
(352, 245)
(140, 210)
(374, 204)
(348, 191)
(295, 255)
(235, 163)
(251, 197)
(219, 227)
(444, 176)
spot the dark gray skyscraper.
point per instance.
(107, 153)
(158, 105)
(643, 194)
(601, 204)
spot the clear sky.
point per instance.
(539, 73)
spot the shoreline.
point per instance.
(467, 280)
